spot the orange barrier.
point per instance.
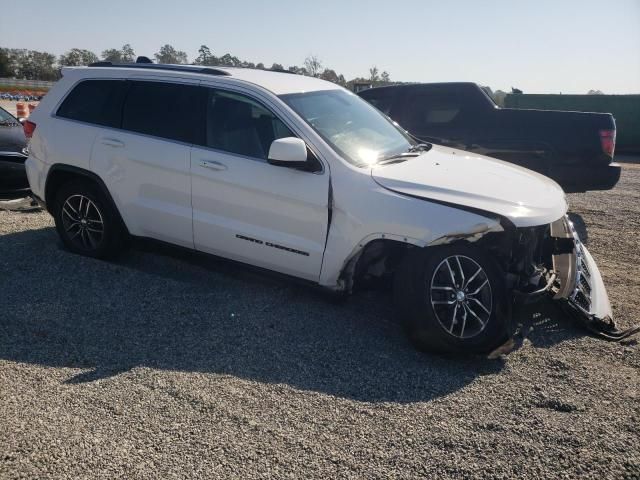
(32, 107)
(21, 110)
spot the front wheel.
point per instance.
(452, 298)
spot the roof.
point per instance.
(279, 83)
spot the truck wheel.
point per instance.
(86, 221)
(452, 298)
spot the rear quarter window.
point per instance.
(94, 101)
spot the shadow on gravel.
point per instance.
(544, 324)
(187, 312)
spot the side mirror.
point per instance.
(288, 152)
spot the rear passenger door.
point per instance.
(91, 106)
(146, 163)
(247, 209)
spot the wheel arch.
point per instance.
(372, 256)
(384, 252)
(60, 174)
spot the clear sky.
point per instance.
(568, 46)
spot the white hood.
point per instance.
(462, 178)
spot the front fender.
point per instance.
(342, 250)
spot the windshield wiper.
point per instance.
(398, 157)
(420, 147)
(413, 151)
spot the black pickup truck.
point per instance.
(573, 148)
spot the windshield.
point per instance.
(6, 118)
(355, 129)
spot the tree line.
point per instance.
(35, 65)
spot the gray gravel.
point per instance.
(172, 365)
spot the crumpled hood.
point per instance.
(462, 178)
(12, 138)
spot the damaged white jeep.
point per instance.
(300, 176)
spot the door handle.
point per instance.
(213, 165)
(112, 142)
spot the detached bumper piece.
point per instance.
(581, 289)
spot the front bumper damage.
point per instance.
(568, 276)
(579, 287)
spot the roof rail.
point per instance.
(280, 70)
(162, 66)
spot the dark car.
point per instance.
(13, 148)
(573, 148)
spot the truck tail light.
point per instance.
(608, 141)
(29, 128)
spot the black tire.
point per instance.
(83, 238)
(425, 321)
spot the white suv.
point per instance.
(297, 175)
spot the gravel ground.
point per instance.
(171, 365)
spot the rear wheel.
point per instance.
(86, 221)
(452, 298)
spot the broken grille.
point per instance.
(582, 294)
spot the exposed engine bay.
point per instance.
(551, 261)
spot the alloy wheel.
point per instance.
(82, 222)
(461, 297)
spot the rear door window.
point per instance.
(95, 101)
(238, 124)
(167, 110)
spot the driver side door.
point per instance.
(246, 209)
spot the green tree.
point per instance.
(32, 64)
(6, 69)
(277, 66)
(329, 75)
(385, 77)
(77, 57)
(16, 58)
(313, 65)
(128, 55)
(373, 74)
(168, 54)
(112, 55)
(229, 60)
(124, 55)
(205, 57)
(298, 70)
